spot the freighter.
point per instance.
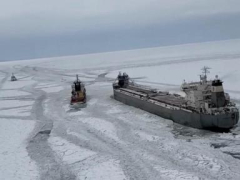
(205, 105)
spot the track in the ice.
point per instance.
(145, 146)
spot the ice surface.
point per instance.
(145, 136)
(12, 93)
(5, 104)
(18, 84)
(17, 112)
(52, 89)
(107, 170)
(15, 108)
(49, 87)
(101, 125)
(69, 152)
(107, 139)
(15, 164)
(175, 174)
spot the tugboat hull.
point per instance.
(79, 102)
(179, 115)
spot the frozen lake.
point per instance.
(42, 138)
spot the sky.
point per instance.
(35, 29)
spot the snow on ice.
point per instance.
(107, 139)
(15, 164)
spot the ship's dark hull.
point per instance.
(181, 116)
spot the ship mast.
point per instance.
(205, 71)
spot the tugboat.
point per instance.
(78, 97)
(13, 78)
(205, 106)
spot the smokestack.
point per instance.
(218, 96)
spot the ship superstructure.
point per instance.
(208, 96)
(205, 105)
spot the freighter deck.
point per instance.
(170, 99)
(163, 97)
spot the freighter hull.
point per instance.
(178, 115)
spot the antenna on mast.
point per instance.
(205, 71)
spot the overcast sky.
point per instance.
(44, 28)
